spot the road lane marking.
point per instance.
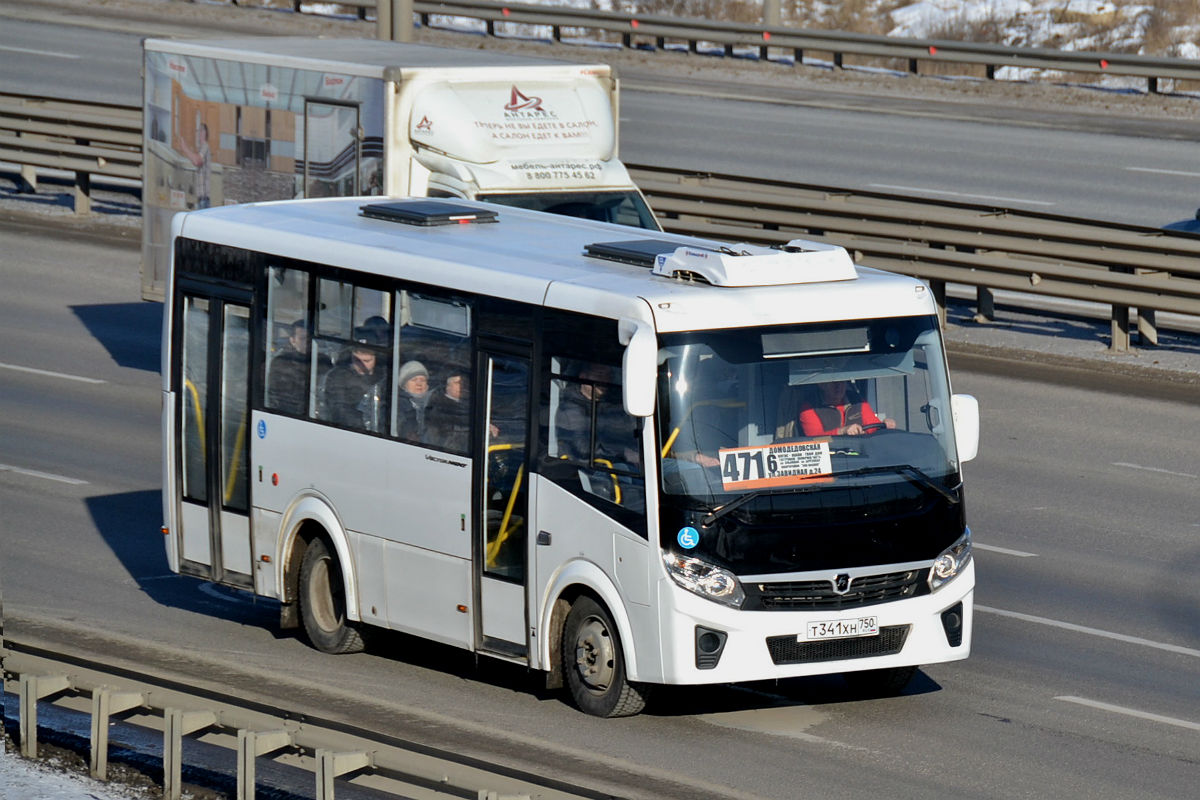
(921, 190)
(1003, 550)
(26, 50)
(1070, 626)
(1165, 171)
(1131, 712)
(50, 476)
(50, 374)
(1159, 470)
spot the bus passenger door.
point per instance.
(501, 550)
(212, 439)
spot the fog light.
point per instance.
(952, 621)
(709, 646)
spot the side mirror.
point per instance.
(639, 366)
(965, 410)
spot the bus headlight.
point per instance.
(951, 562)
(707, 580)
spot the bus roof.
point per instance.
(541, 258)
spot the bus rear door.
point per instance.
(212, 440)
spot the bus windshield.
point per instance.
(803, 423)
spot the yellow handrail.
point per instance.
(237, 457)
(493, 548)
(604, 462)
(187, 382)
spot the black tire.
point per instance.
(879, 682)
(593, 663)
(323, 602)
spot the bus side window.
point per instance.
(589, 445)
(593, 433)
(353, 323)
(289, 361)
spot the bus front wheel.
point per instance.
(323, 602)
(594, 663)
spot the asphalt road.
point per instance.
(1082, 681)
(1087, 642)
(1082, 159)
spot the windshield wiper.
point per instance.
(913, 474)
(742, 499)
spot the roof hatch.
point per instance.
(639, 252)
(427, 213)
(799, 261)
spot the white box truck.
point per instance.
(268, 118)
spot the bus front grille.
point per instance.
(864, 590)
(788, 650)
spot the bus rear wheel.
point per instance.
(594, 663)
(323, 602)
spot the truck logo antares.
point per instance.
(426, 124)
(521, 102)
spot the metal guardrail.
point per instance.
(84, 138)
(636, 30)
(329, 750)
(988, 247)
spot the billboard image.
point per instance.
(220, 132)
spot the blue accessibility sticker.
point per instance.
(262, 429)
(689, 537)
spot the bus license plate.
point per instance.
(841, 629)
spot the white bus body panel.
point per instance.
(591, 550)
(414, 569)
(502, 605)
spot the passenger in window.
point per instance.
(288, 378)
(413, 404)
(355, 392)
(616, 433)
(836, 410)
(378, 329)
(451, 412)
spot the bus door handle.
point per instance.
(543, 538)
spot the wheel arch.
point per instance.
(573, 580)
(310, 516)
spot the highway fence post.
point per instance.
(105, 703)
(985, 304)
(251, 745)
(771, 15)
(394, 20)
(1147, 327)
(83, 193)
(383, 19)
(1120, 329)
(34, 688)
(331, 765)
(177, 724)
(938, 288)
